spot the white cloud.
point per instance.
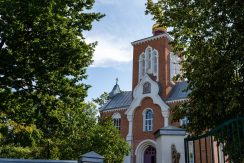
(110, 51)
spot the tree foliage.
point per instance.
(43, 60)
(109, 142)
(102, 99)
(208, 35)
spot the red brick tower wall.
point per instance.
(161, 45)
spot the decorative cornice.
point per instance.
(178, 100)
(112, 110)
(166, 35)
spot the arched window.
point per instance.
(174, 65)
(148, 63)
(117, 119)
(141, 65)
(146, 88)
(148, 120)
(149, 60)
(155, 62)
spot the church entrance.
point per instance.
(150, 155)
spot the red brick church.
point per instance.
(142, 113)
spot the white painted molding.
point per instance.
(179, 100)
(166, 35)
(139, 96)
(144, 119)
(116, 115)
(129, 135)
(113, 110)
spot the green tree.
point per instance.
(102, 99)
(43, 60)
(108, 141)
(208, 35)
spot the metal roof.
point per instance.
(179, 91)
(120, 100)
(115, 90)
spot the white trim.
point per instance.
(139, 96)
(117, 120)
(179, 100)
(116, 116)
(166, 35)
(144, 119)
(112, 110)
(141, 147)
(147, 58)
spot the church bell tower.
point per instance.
(151, 56)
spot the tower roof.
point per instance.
(115, 89)
(158, 29)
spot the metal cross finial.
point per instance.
(117, 81)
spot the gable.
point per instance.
(139, 94)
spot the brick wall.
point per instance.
(158, 122)
(161, 45)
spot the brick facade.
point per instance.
(152, 101)
(138, 134)
(163, 48)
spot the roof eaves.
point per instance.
(152, 38)
(117, 108)
(177, 100)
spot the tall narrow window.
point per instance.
(148, 120)
(148, 59)
(117, 119)
(155, 62)
(148, 63)
(174, 65)
(142, 65)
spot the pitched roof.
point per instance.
(120, 100)
(179, 91)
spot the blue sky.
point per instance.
(125, 22)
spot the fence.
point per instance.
(224, 144)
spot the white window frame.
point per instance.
(147, 122)
(175, 67)
(117, 120)
(147, 62)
